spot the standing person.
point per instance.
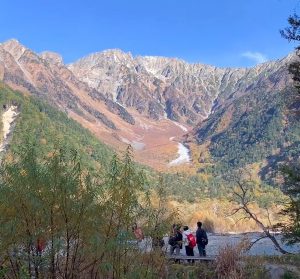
(40, 245)
(175, 240)
(186, 239)
(138, 233)
(139, 236)
(201, 239)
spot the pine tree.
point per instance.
(291, 187)
(292, 33)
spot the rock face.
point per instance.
(46, 76)
(52, 58)
(157, 86)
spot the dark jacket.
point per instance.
(200, 233)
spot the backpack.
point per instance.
(204, 241)
(192, 240)
(172, 241)
(203, 237)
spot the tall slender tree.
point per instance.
(292, 33)
(291, 187)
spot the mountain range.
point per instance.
(227, 117)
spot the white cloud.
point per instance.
(256, 56)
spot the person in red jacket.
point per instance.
(40, 244)
(138, 233)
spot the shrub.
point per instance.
(289, 275)
(228, 262)
(57, 221)
(231, 264)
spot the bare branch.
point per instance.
(253, 242)
(240, 219)
(245, 200)
(235, 210)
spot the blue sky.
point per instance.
(223, 33)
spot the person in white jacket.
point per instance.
(189, 251)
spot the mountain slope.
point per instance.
(45, 126)
(147, 101)
(46, 77)
(254, 131)
(240, 112)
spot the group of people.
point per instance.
(177, 239)
(185, 238)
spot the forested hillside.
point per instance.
(254, 130)
(45, 126)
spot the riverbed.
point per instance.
(262, 247)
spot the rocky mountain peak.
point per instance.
(117, 56)
(52, 58)
(156, 87)
(104, 69)
(160, 86)
(155, 64)
(14, 48)
(106, 57)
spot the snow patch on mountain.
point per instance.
(184, 155)
(8, 118)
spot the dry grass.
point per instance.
(232, 264)
(229, 262)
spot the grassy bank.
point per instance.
(230, 264)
